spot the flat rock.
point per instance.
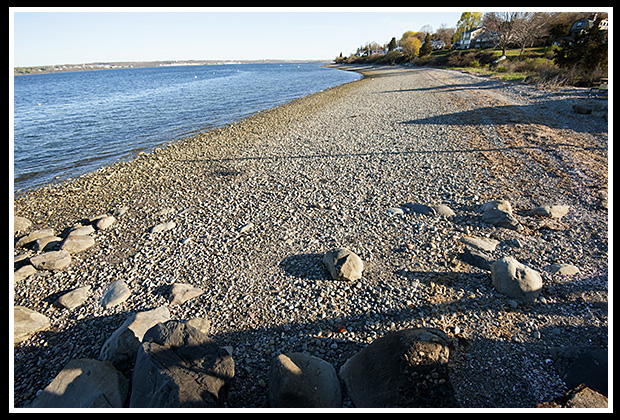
(77, 243)
(516, 280)
(33, 236)
(555, 212)
(443, 210)
(181, 293)
(393, 211)
(299, 380)
(52, 260)
(499, 213)
(85, 383)
(20, 224)
(477, 258)
(115, 293)
(586, 397)
(47, 243)
(564, 269)
(26, 322)
(246, 228)
(73, 298)
(82, 230)
(343, 264)
(483, 244)
(24, 272)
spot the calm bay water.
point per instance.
(67, 124)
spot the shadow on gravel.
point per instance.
(507, 362)
(305, 266)
(520, 114)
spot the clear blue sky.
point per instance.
(45, 36)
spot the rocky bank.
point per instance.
(474, 216)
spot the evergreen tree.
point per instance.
(426, 48)
(392, 45)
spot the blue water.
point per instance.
(67, 124)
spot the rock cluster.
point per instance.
(176, 364)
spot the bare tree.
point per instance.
(503, 25)
(530, 26)
(444, 34)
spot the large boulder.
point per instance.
(516, 280)
(85, 383)
(299, 380)
(343, 264)
(407, 368)
(178, 366)
(122, 346)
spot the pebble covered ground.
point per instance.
(257, 203)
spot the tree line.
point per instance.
(507, 30)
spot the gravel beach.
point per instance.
(256, 204)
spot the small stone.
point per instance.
(105, 222)
(246, 228)
(119, 211)
(394, 211)
(162, 227)
(419, 208)
(499, 213)
(443, 210)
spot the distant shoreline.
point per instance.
(63, 68)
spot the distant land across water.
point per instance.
(57, 68)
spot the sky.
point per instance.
(49, 36)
